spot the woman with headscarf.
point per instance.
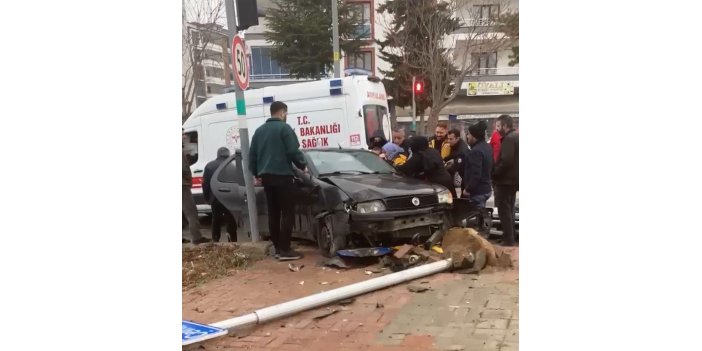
(425, 163)
(394, 154)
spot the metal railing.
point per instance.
(479, 22)
(500, 71)
(280, 76)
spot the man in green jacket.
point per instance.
(274, 148)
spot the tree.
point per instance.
(199, 28)
(301, 34)
(435, 40)
(509, 24)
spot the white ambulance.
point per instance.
(342, 112)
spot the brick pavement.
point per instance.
(460, 312)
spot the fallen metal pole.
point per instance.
(324, 298)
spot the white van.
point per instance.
(342, 112)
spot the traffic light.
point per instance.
(247, 14)
(418, 87)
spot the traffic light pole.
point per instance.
(232, 26)
(414, 108)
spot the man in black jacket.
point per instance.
(506, 178)
(219, 212)
(459, 149)
(274, 149)
(478, 166)
(425, 163)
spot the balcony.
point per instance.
(479, 22)
(497, 71)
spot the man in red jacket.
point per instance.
(496, 140)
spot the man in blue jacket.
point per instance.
(274, 148)
(478, 166)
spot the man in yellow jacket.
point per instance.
(439, 142)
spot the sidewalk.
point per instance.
(461, 312)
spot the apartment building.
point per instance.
(206, 69)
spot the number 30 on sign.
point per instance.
(240, 63)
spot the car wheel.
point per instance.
(328, 243)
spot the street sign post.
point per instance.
(195, 332)
(240, 63)
(241, 68)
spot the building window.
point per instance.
(363, 60)
(364, 30)
(209, 89)
(486, 14)
(214, 72)
(485, 63)
(263, 66)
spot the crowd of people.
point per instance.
(475, 166)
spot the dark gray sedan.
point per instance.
(349, 197)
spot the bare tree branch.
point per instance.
(444, 55)
(200, 26)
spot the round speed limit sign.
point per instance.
(240, 63)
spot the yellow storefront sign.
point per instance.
(488, 88)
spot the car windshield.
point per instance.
(348, 162)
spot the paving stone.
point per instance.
(512, 336)
(496, 314)
(493, 324)
(509, 346)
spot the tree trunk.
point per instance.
(433, 120)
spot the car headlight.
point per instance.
(445, 197)
(370, 207)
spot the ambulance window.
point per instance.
(373, 115)
(190, 142)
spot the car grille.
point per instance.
(405, 202)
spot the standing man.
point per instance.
(399, 138)
(219, 212)
(274, 148)
(476, 179)
(506, 178)
(438, 142)
(455, 160)
(189, 208)
(495, 140)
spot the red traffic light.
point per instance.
(418, 87)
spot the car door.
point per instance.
(227, 186)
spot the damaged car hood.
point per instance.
(368, 187)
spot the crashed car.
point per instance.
(348, 198)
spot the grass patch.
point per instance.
(208, 262)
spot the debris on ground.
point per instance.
(324, 314)
(295, 268)
(302, 282)
(369, 272)
(463, 244)
(216, 260)
(504, 259)
(335, 261)
(403, 250)
(323, 283)
(418, 288)
(437, 249)
(347, 302)
(379, 305)
(365, 252)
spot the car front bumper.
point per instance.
(400, 224)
